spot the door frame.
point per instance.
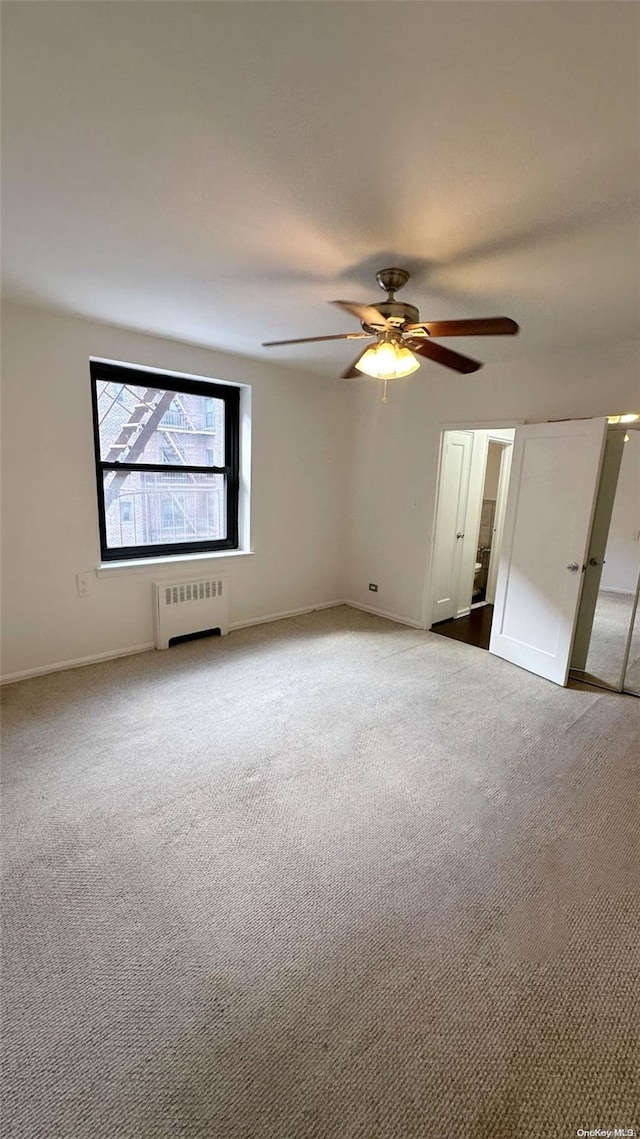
(458, 425)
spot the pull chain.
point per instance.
(384, 394)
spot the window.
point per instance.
(152, 432)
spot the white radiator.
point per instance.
(184, 607)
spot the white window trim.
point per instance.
(139, 565)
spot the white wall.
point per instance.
(622, 558)
(395, 448)
(50, 530)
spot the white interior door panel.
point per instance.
(554, 479)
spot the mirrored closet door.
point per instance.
(607, 641)
(631, 673)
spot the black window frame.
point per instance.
(139, 377)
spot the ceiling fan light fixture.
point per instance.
(387, 360)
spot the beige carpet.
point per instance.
(327, 877)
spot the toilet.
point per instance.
(475, 575)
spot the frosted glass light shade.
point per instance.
(387, 361)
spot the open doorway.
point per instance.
(473, 483)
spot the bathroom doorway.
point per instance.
(473, 484)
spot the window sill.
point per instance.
(139, 565)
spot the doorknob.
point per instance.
(573, 566)
(459, 535)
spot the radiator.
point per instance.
(184, 607)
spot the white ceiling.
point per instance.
(218, 172)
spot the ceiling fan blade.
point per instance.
(442, 355)
(366, 314)
(484, 326)
(352, 370)
(316, 339)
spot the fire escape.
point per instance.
(144, 419)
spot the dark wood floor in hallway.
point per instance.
(474, 629)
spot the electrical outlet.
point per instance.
(83, 582)
(372, 587)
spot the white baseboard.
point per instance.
(114, 654)
(612, 589)
(385, 614)
(285, 613)
(96, 658)
(63, 665)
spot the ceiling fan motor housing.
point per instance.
(397, 313)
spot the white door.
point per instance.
(552, 491)
(451, 515)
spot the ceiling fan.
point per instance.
(399, 334)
